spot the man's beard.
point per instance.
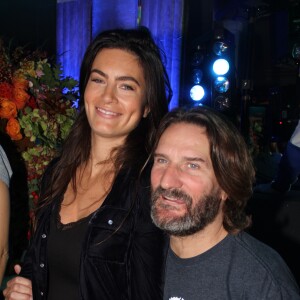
(195, 219)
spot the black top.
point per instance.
(122, 254)
(64, 248)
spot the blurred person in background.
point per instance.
(5, 175)
(288, 168)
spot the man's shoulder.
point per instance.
(263, 263)
(257, 250)
(253, 245)
(240, 267)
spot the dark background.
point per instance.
(262, 48)
(262, 60)
(29, 23)
(261, 56)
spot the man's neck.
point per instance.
(199, 242)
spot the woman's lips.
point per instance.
(107, 112)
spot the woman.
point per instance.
(5, 175)
(94, 238)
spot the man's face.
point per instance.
(185, 194)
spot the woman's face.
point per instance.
(115, 94)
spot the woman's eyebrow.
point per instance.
(126, 78)
(119, 78)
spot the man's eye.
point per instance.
(160, 161)
(193, 166)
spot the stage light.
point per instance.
(222, 103)
(197, 92)
(221, 84)
(211, 66)
(197, 75)
(220, 48)
(197, 57)
(222, 71)
(221, 66)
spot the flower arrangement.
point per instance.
(36, 108)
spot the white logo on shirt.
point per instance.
(176, 298)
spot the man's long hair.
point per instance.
(232, 163)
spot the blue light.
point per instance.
(221, 66)
(197, 92)
(221, 84)
(220, 48)
(197, 76)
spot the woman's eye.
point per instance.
(127, 87)
(97, 80)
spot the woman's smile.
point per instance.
(107, 113)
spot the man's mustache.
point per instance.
(171, 193)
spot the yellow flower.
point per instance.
(27, 69)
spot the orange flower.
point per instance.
(20, 97)
(8, 109)
(13, 129)
(6, 90)
(20, 83)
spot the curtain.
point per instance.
(78, 21)
(73, 34)
(165, 20)
(109, 14)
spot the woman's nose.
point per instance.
(108, 94)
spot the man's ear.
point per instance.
(224, 196)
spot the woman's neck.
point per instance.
(102, 148)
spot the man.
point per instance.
(201, 179)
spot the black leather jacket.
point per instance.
(123, 253)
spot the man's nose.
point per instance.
(171, 178)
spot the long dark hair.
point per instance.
(77, 146)
(232, 163)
